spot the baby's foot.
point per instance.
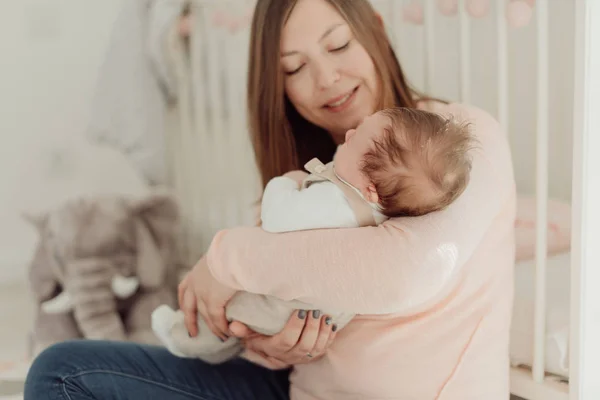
(162, 323)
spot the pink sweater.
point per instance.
(435, 292)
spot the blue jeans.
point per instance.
(90, 369)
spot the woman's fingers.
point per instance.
(279, 345)
(190, 312)
(202, 311)
(181, 289)
(219, 322)
(324, 339)
(288, 338)
(308, 338)
(332, 336)
(180, 292)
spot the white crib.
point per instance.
(542, 82)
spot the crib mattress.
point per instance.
(557, 314)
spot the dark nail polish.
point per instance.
(189, 334)
(334, 328)
(328, 321)
(302, 314)
(316, 314)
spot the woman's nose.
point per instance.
(327, 74)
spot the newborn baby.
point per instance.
(398, 162)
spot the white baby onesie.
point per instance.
(323, 204)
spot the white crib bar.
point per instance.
(195, 146)
(429, 30)
(217, 134)
(182, 122)
(230, 150)
(585, 274)
(465, 53)
(502, 51)
(541, 190)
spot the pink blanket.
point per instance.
(558, 227)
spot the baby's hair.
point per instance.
(421, 164)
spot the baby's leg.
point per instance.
(170, 328)
(263, 314)
(269, 315)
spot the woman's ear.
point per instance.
(380, 19)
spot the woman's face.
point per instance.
(329, 76)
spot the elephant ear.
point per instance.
(42, 268)
(156, 219)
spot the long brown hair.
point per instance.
(283, 140)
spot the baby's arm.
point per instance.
(287, 208)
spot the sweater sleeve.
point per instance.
(391, 268)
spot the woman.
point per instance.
(435, 293)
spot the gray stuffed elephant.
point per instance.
(102, 265)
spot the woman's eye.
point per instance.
(294, 71)
(341, 47)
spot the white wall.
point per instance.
(50, 52)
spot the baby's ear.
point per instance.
(371, 194)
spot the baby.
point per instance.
(398, 162)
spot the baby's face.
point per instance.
(358, 142)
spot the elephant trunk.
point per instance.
(92, 293)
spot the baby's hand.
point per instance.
(296, 175)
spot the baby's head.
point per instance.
(411, 162)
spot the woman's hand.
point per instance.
(305, 338)
(200, 292)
